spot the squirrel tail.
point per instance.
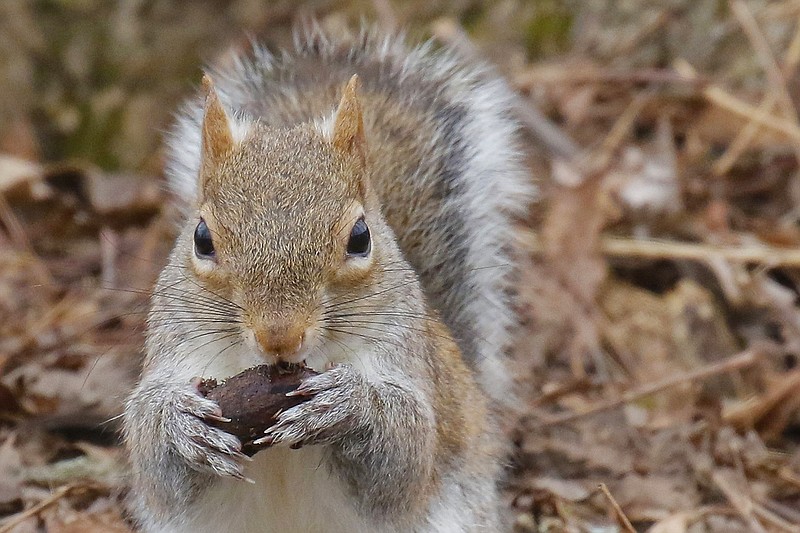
(470, 280)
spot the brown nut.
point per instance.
(252, 399)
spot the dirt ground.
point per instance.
(660, 296)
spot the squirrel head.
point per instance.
(285, 222)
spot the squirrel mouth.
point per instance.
(285, 367)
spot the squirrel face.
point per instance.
(283, 224)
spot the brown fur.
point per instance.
(397, 425)
(348, 130)
(217, 136)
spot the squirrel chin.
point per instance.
(291, 366)
(317, 364)
(288, 367)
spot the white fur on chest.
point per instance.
(293, 493)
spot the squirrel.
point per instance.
(348, 204)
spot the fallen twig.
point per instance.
(19, 518)
(745, 136)
(768, 515)
(567, 74)
(623, 247)
(766, 108)
(620, 130)
(623, 520)
(19, 236)
(780, 396)
(740, 501)
(765, 56)
(777, 81)
(737, 362)
(720, 98)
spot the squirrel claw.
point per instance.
(242, 477)
(265, 441)
(217, 418)
(311, 386)
(239, 456)
(299, 392)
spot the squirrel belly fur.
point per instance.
(348, 204)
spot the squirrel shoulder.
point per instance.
(363, 230)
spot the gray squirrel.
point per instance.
(349, 204)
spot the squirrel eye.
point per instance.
(359, 244)
(203, 245)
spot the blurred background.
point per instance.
(659, 295)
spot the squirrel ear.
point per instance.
(217, 134)
(348, 128)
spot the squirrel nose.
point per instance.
(280, 339)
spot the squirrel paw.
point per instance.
(204, 447)
(339, 394)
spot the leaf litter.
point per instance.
(657, 358)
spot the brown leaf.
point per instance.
(70, 521)
(10, 473)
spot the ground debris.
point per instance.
(658, 355)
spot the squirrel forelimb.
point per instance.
(339, 405)
(363, 227)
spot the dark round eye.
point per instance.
(203, 245)
(359, 244)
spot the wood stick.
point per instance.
(745, 136)
(39, 507)
(777, 82)
(737, 362)
(722, 99)
(765, 56)
(625, 247)
(560, 75)
(624, 522)
(743, 504)
(765, 109)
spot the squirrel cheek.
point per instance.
(354, 270)
(209, 272)
(204, 268)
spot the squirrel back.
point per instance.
(443, 154)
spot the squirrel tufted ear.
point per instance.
(217, 134)
(348, 128)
